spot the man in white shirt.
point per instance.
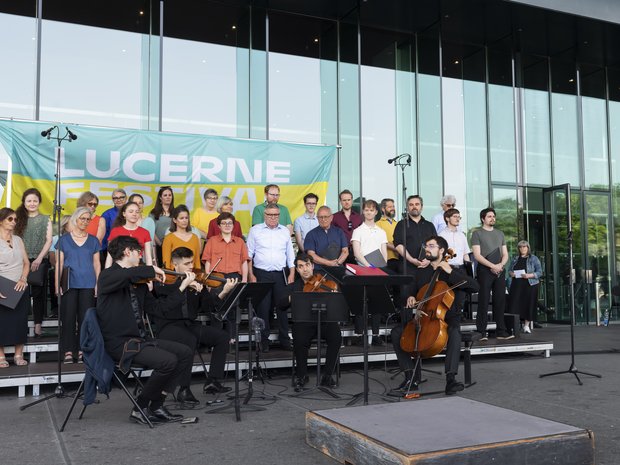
(456, 239)
(306, 222)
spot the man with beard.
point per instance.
(413, 231)
(436, 247)
(387, 222)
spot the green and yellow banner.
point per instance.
(102, 159)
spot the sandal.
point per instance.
(68, 358)
(3, 362)
(19, 361)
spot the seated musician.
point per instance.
(327, 245)
(120, 303)
(304, 332)
(178, 323)
(436, 248)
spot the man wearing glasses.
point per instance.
(456, 239)
(347, 219)
(327, 245)
(446, 202)
(119, 197)
(306, 222)
(272, 261)
(272, 196)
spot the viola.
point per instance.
(427, 334)
(214, 279)
(320, 283)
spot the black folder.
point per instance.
(7, 289)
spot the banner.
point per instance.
(102, 159)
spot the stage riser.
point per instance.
(370, 438)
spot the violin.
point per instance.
(213, 279)
(171, 277)
(320, 283)
(427, 334)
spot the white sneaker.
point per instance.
(527, 330)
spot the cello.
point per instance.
(427, 334)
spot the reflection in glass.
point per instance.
(17, 80)
(430, 155)
(598, 258)
(537, 137)
(502, 134)
(596, 171)
(506, 214)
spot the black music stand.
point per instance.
(369, 294)
(251, 292)
(318, 308)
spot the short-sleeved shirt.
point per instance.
(489, 242)
(326, 243)
(417, 233)
(347, 225)
(79, 260)
(258, 214)
(201, 218)
(304, 224)
(457, 242)
(141, 234)
(93, 226)
(232, 253)
(371, 238)
(12, 259)
(389, 225)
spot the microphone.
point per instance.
(398, 157)
(71, 135)
(257, 324)
(47, 133)
(392, 160)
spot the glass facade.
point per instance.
(492, 119)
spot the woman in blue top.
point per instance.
(79, 255)
(525, 271)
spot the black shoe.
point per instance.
(164, 415)
(286, 346)
(503, 335)
(484, 336)
(378, 341)
(136, 416)
(300, 382)
(185, 396)
(453, 386)
(406, 385)
(357, 341)
(328, 381)
(213, 386)
(537, 325)
(264, 346)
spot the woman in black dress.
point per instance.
(525, 272)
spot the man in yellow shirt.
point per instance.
(387, 222)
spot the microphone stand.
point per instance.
(59, 392)
(398, 162)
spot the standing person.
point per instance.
(327, 245)
(35, 230)
(139, 201)
(96, 227)
(203, 215)
(14, 265)
(388, 222)
(181, 235)
(120, 305)
(455, 238)
(414, 230)
(126, 224)
(491, 253)
(347, 219)
(525, 270)
(446, 202)
(119, 198)
(272, 196)
(367, 238)
(306, 222)
(178, 323)
(160, 214)
(224, 205)
(435, 251)
(79, 255)
(231, 249)
(271, 253)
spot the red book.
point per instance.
(365, 271)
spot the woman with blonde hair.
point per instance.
(525, 271)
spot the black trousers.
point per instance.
(73, 306)
(265, 308)
(193, 335)
(375, 323)
(453, 347)
(488, 282)
(303, 333)
(170, 361)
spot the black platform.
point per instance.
(450, 430)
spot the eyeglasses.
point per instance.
(273, 195)
(324, 217)
(272, 215)
(94, 204)
(310, 203)
(431, 246)
(12, 219)
(84, 220)
(120, 197)
(226, 223)
(211, 197)
(450, 205)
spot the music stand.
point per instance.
(318, 308)
(369, 294)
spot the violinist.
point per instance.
(178, 323)
(304, 332)
(435, 252)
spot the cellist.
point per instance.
(304, 332)
(435, 251)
